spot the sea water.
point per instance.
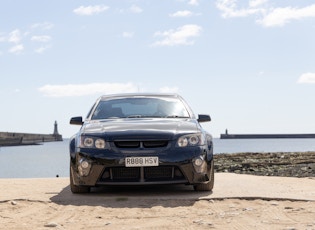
(51, 159)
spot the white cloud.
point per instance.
(90, 10)
(17, 49)
(255, 3)
(307, 78)
(136, 9)
(42, 38)
(43, 26)
(133, 9)
(2, 38)
(181, 36)
(167, 89)
(184, 13)
(127, 34)
(42, 49)
(229, 9)
(72, 90)
(15, 36)
(282, 16)
(268, 16)
(193, 2)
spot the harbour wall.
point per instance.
(12, 138)
(265, 136)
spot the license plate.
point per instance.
(141, 161)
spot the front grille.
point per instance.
(144, 144)
(144, 174)
(154, 144)
(127, 144)
(125, 173)
(158, 172)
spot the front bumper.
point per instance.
(109, 169)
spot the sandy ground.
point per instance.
(237, 202)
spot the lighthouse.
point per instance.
(55, 129)
(56, 134)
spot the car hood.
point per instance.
(144, 128)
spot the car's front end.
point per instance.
(139, 151)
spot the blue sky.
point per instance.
(249, 64)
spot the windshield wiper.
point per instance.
(145, 116)
(176, 116)
(152, 116)
(134, 116)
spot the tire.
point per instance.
(77, 188)
(209, 185)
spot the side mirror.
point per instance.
(76, 121)
(203, 118)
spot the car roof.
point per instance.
(129, 95)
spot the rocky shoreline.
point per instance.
(286, 164)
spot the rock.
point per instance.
(13, 202)
(51, 225)
(295, 164)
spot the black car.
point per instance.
(141, 139)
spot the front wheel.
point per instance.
(77, 188)
(209, 185)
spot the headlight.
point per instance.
(88, 142)
(100, 143)
(190, 140)
(92, 142)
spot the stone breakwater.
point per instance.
(15, 139)
(287, 164)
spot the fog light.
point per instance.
(84, 167)
(84, 164)
(200, 165)
(198, 162)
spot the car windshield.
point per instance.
(140, 107)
